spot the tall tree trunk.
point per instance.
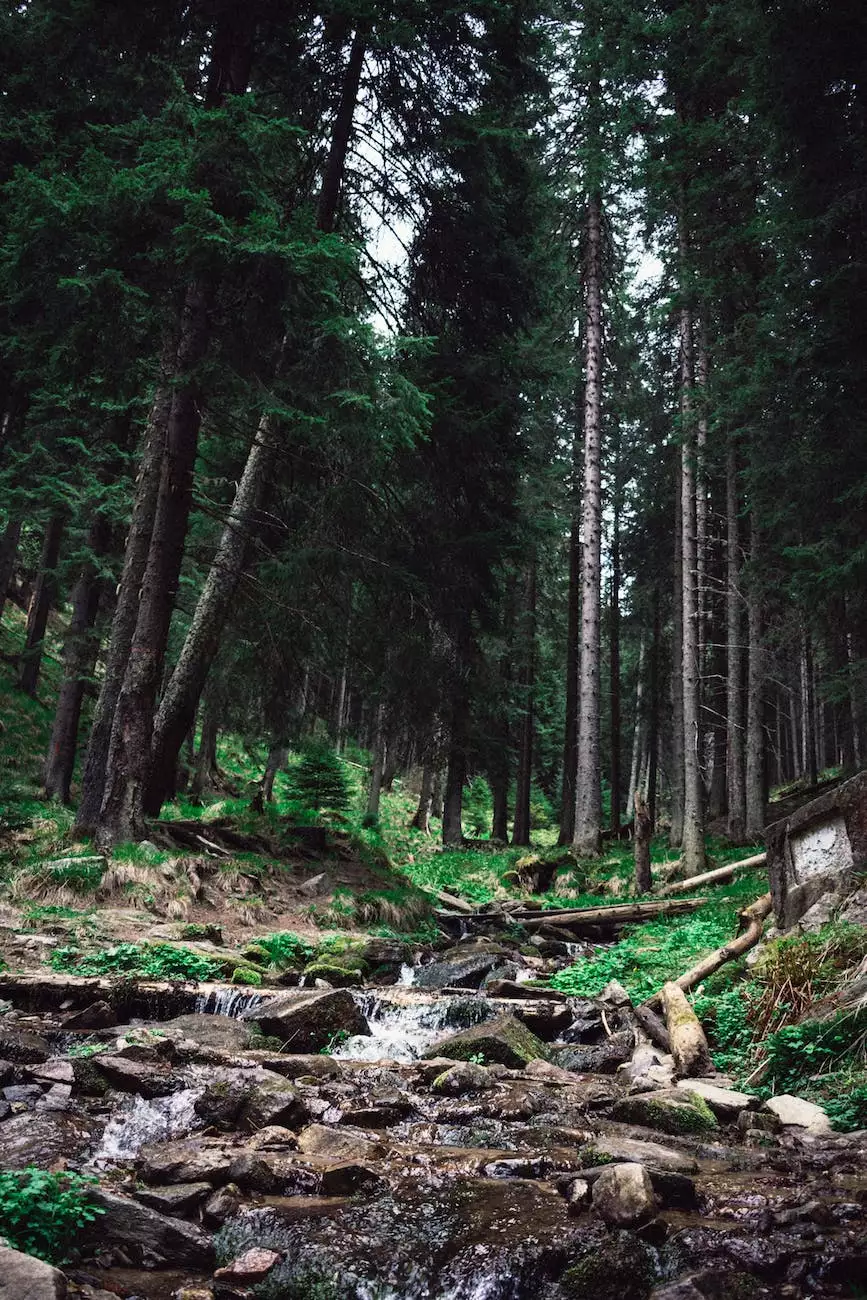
(755, 802)
(202, 642)
(8, 555)
(573, 652)
(702, 377)
(205, 768)
(437, 801)
(44, 596)
(129, 590)
(653, 724)
(675, 776)
(500, 805)
(276, 759)
(614, 652)
(421, 820)
(80, 650)
(524, 777)
(808, 710)
(638, 728)
(456, 774)
(694, 858)
(587, 839)
(129, 762)
(737, 808)
(379, 759)
(643, 833)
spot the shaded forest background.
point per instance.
(482, 386)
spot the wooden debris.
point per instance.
(752, 921)
(688, 1042)
(713, 877)
(653, 1027)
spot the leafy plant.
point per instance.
(42, 1213)
(337, 1039)
(147, 961)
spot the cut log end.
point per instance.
(688, 1042)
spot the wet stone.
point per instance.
(504, 1040)
(174, 1198)
(22, 1047)
(623, 1195)
(41, 1138)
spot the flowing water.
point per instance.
(403, 1026)
(140, 1121)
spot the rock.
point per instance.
(504, 1040)
(505, 988)
(272, 1138)
(296, 1067)
(725, 1103)
(146, 1234)
(226, 1033)
(623, 1195)
(22, 1277)
(464, 1077)
(604, 1058)
(462, 971)
(53, 1072)
(99, 1015)
(677, 1113)
(648, 1069)
(614, 995)
(220, 1103)
(819, 914)
(190, 1160)
(223, 1204)
(854, 909)
(650, 1154)
(40, 1138)
(271, 1099)
(174, 1198)
(336, 1143)
(578, 1192)
(796, 1113)
(612, 1266)
(23, 1092)
(546, 1019)
(8, 1072)
(253, 1266)
(307, 1021)
(135, 1076)
(316, 885)
(56, 1098)
(550, 1073)
(22, 1047)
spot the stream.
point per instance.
(458, 1140)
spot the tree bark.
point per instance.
(587, 838)
(675, 776)
(694, 859)
(456, 775)
(276, 759)
(80, 650)
(688, 1042)
(129, 765)
(378, 767)
(523, 780)
(614, 654)
(44, 596)
(755, 802)
(653, 726)
(638, 728)
(205, 768)
(8, 556)
(421, 820)
(573, 649)
(735, 777)
(129, 590)
(643, 833)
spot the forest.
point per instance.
(433, 457)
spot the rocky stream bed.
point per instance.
(455, 1134)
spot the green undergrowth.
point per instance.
(763, 1030)
(160, 961)
(659, 950)
(43, 1213)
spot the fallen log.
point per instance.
(653, 1027)
(713, 877)
(450, 901)
(752, 920)
(615, 914)
(688, 1042)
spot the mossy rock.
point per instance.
(679, 1115)
(616, 1267)
(209, 931)
(505, 1041)
(340, 977)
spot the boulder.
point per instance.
(461, 971)
(306, 1021)
(223, 1204)
(724, 1102)
(296, 1067)
(130, 1075)
(670, 1112)
(190, 1160)
(505, 988)
(504, 1040)
(795, 1112)
(603, 1058)
(253, 1266)
(21, 1046)
(40, 1138)
(464, 1077)
(99, 1015)
(53, 1072)
(623, 1195)
(226, 1033)
(612, 1265)
(271, 1099)
(174, 1198)
(336, 1143)
(145, 1234)
(22, 1277)
(546, 1019)
(650, 1154)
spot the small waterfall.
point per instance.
(403, 1028)
(140, 1122)
(226, 1000)
(407, 975)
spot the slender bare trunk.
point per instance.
(638, 728)
(378, 766)
(205, 767)
(653, 724)
(694, 859)
(456, 774)
(573, 652)
(587, 839)
(808, 712)
(44, 596)
(675, 776)
(421, 820)
(734, 658)
(8, 556)
(523, 780)
(614, 652)
(80, 649)
(755, 801)
(643, 833)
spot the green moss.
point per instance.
(692, 1115)
(339, 976)
(619, 1267)
(504, 1041)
